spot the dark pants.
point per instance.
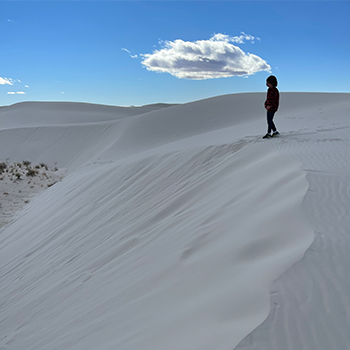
(270, 123)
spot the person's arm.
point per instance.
(268, 100)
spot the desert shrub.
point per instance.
(3, 166)
(32, 172)
(26, 163)
(18, 175)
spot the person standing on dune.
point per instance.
(271, 105)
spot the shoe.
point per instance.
(275, 133)
(267, 136)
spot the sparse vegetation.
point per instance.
(3, 166)
(20, 180)
(16, 171)
(32, 172)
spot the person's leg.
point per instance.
(270, 123)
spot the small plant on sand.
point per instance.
(18, 175)
(32, 172)
(3, 166)
(26, 163)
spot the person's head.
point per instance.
(272, 80)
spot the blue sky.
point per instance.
(113, 52)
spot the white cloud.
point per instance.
(206, 59)
(11, 93)
(18, 93)
(4, 81)
(132, 56)
(26, 86)
(234, 39)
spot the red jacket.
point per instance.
(273, 99)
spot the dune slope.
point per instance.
(175, 227)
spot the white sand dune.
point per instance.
(179, 227)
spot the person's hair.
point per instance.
(272, 80)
